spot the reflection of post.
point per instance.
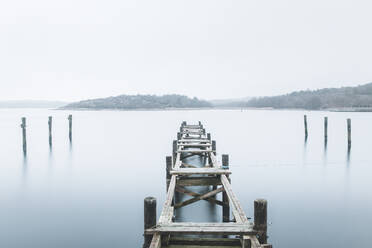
(50, 130)
(23, 126)
(305, 123)
(325, 130)
(349, 133)
(70, 127)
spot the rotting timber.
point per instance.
(192, 140)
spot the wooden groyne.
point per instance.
(237, 231)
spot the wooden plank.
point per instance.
(194, 151)
(199, 181)
(222, 242)
(239, 212)
(198, 198)
(194, 145)
(156, 241)
(199, 228)
(198, 171)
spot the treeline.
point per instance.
(140, 102)
(345, 97)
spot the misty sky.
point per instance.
(74, 49)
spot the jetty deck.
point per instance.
(238, 231)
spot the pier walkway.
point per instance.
(238, 231)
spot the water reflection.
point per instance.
(348, 156)
(24, 168)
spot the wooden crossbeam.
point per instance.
(200, 140)
(191, 193)
(194, 145)
(199, 181)
(194, 151)
(203, 228)
(199, 171)
(198, 198)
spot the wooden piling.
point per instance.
(168, 160)
(260, 219)
(349, 132)
(214, 147)
(225, 198)
(149, 218)
(24, 138)
(70, 127)
(325, 129)
(174, 151)
(50, 119)
(305, 124)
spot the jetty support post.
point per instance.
(260, 219)
(24, 139)
(70, 127)
(225, 198)
(50, 122)
(174, 151)
(169, 162)
(325, 130)
(305, 124)
(349, 132)
(149, 218)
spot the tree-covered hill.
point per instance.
(329, 98)
(140, 102)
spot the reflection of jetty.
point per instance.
(238, 232)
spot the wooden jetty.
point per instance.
(192, 140)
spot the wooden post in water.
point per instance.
(174, 151)
(24, 139)
(149, 218)
(168, 160)
(305, 123)
(50, 119)
(325, 130)
(225, 198)
(260, 219)
(70, 127)
(349, 132)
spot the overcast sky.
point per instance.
(77, 49)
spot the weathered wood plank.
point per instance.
(198, 171)
(199, 181)
(194, 151)
(199, 228)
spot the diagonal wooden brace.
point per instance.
(198, 198)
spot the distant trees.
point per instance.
(345, 97)
(141, 102)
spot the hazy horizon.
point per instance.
(75, 50)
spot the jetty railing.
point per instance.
(192, 140)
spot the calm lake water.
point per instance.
(90, 194)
